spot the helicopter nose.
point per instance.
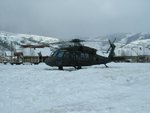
(49, 61)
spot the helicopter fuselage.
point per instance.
(76, 57)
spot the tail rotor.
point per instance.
(111, 45)
(111, 49)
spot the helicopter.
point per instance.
(78, 55)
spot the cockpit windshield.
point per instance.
(54, 53)
(58, 54)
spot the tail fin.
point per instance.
(112, 48)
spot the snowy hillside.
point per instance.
(126, 38)
(19, 39)
(8, 40)
(122, 88)
(134, 45)
(127, 44)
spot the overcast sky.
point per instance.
(72, 18)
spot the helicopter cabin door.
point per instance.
(59, 58)
(66, 59)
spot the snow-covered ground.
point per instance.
(122, 88)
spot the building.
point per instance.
(34, 54)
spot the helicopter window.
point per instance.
(66, 54)
(84, 56)
(60, 54)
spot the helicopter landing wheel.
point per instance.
(77, 67)
(60, 67)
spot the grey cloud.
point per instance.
(68, 18)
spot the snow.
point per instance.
(122, 88)
(13, 37)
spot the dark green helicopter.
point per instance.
(78, 55)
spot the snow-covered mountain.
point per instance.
(127, 44)
(18, 39)
(12, 40)
(134, 44)
(126, 37)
